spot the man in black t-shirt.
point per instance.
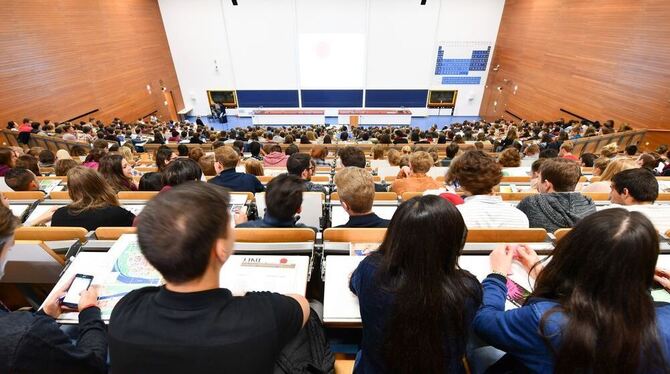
(190, 325)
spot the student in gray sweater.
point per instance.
(557, 205)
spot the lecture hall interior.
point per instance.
(335, 186)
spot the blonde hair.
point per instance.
(356, 188)
(377, 152)
(568, 146)
(601, 164)
(609, 150)
(394, 157)
(88, 190)
(406, 150)
(421, 162)
(617, 166)
(127, 154)
(227, 156)
(254, 167)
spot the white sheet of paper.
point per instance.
(339, 303)
(281, 274)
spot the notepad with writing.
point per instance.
(281, 274)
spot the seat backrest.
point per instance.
(274, 235)
(495, 235)
(24, 195)
(113, 233)
(59, 195)
(560, 233)
(311, 212)
(408, 195)
(137, 195)
(379, 196)
(515, 179)
(354, 235)
(515, 196)
(50, 233)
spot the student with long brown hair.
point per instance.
(7, 160)
(416, 303)
(591, 310)
(117, 172)
(94, 203)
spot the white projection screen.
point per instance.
(334, 60)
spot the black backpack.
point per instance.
(308, 352)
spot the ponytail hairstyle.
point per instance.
(600, 274)
(432, 295)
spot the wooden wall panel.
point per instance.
(62, 58)
(600, 59)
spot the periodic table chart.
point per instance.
(462, 62)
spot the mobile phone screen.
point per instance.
(79, 284)
(515, 293)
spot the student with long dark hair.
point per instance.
(591, 310)
(117, 172)
(94, 203)
(416, 302)
(7, 160)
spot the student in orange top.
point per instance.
(413, 178)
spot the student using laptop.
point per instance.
(191, 325)
(356, 190)
(34, 342)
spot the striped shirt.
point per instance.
(491, 211)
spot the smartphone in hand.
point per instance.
(80, 283)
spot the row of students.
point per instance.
(573, 321)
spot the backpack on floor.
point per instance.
(308, 352)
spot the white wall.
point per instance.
(197, 36)
(255, 43)
(469, 20)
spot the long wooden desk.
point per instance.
(375, 117)
(288, 117)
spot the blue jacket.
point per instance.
(238, 182)
(269, 221)
(368, 220)
(376, 305)
(517, 331)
